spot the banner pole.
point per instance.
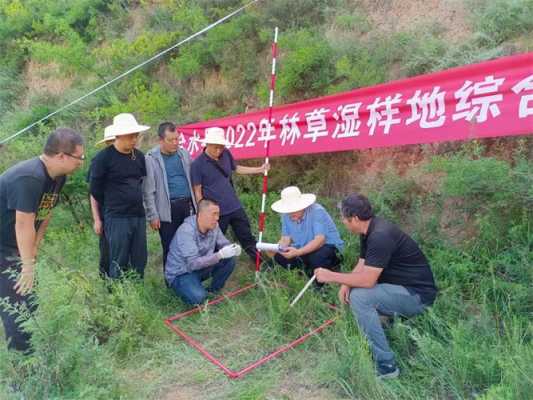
(262, 215)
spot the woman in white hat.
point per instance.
(211, 175)
(308, 233)
(97, 211)
(116, 182)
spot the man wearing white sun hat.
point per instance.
(211, 178)
(308, 233)
(97, 211)
(116, 182)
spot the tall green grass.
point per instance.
(96, 340)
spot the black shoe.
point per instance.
(387, 370)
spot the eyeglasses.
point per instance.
(81, 158)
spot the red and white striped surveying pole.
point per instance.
(262, 215)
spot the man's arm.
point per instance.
(26, 235)
(313, 245)
(359, 266)
(40, 233)
(243, 170)
(344, 290)
(197, 193)
(149, 194)
(364, 276)
(189, 249)
(221, 239)
(27, 246)
(285, 241)
(98, 177)
(97, 218)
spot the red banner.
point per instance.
(488, 99)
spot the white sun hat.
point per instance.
(125, 124)
(107, 135)
(214, 135)
(293, 200)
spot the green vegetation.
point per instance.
(99, 341)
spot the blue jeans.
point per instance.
(189, 286)
(384, 299)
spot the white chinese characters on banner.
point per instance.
(290, 132)
(470, 107)
(193, 145)
(316, 124)
(428, 109)
(266, 131)
(384, 117)
(525, 85)
(475, 101)
(349, 123)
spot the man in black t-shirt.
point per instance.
(28, 192)
(116, 182)
(392, 277)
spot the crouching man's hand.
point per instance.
(324, 275)
(344, 294)
(231, 250)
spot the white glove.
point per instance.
(231, 250)
(226, 251)
(238, 249)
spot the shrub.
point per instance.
(501, 20)
(306, 65)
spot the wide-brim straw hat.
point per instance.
(214, 135)
(293, 200)
(107, 136)
(126, 124)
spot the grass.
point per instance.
(475, 342)
(475, 227)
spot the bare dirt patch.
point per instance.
(43, 79)
(391, 16)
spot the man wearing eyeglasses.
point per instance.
(167, 188)
(28, 192)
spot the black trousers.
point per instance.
(326, 256)
(17, 338)
(180, 209)
(104, 255)
(241, 228)
(126, 237)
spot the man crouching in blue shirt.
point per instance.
(193, 258)
(308, 233)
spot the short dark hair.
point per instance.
(356, 205)
(205, 203)
(163, 128)
(62, 140)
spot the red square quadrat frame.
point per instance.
(171, 322)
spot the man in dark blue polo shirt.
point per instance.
(211, 178)
(392, 277)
